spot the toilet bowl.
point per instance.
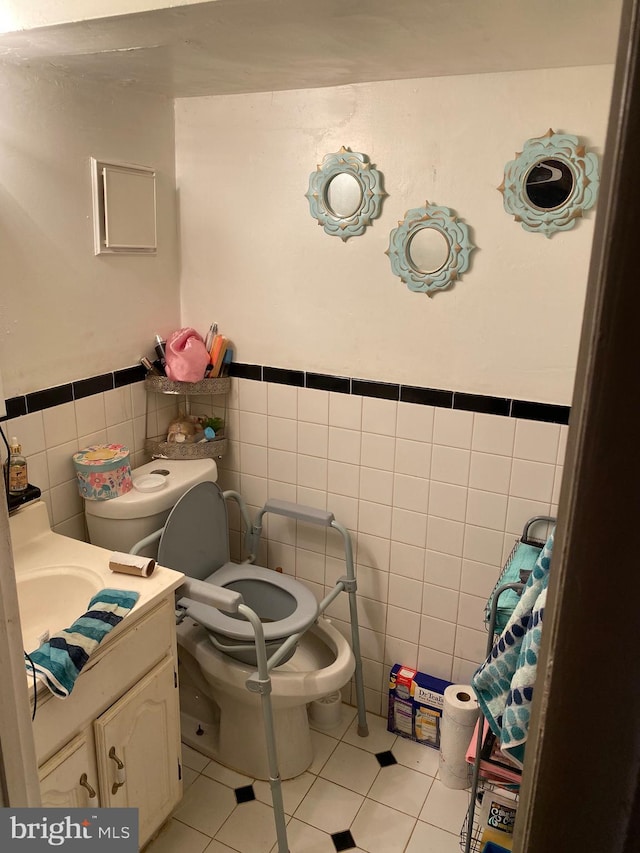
(285, 606)
(223, 720)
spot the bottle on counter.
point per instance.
(17, 464)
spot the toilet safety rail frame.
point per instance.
(232, 602)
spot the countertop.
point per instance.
(35, 546)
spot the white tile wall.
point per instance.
(50, 438)
(434, 500)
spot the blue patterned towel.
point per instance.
(58, 662)
(505, 681)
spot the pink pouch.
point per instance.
(186, 356)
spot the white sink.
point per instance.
(52, 598)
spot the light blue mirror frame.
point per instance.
(369, 180)
(456, 234)
(581, 196)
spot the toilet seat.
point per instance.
(195, 541)
(303, 603)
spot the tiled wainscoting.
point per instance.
(434, 498)
(51, 436)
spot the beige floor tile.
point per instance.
(206, 805)
(352, 768)
(445, 808)
(430, 839)
(329, 807)
(303, 838)
(175, 836)
(401, 788)
(225, 775)
(250, 829)
(379, 829)
(323, 746)
(293, 791)
(192, 759)
(416, 756)
(378, 740)
(189, 776)
(216, 847)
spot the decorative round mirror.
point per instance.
(427, 250)
(430, 248)
(550, 183)
(345, 193)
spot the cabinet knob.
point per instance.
(93, 797)
(120, 774)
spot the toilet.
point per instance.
(220, 717)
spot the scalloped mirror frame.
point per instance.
(455, 232)
(586, 180)
(371, 193)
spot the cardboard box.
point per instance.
(416, 701)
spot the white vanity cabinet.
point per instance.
(116, 740)
(137, 744)
(70, 778)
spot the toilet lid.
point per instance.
(240, 629)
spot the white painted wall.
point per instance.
(289, 295)
(19, 15)
(64, 313)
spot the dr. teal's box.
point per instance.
(416, 701)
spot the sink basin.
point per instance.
(52, 598)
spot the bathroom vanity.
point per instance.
(115, 741)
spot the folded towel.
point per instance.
(504, 683)
(59, 661)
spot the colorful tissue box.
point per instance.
(103, 471)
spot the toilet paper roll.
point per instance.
(130, 564)
(459, 716)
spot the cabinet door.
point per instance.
(137, 747)
(70, 778)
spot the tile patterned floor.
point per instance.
(378, 794)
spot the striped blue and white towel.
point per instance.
(59, 661)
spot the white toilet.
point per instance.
(220, 717)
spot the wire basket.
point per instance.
(517, 569)
(476, 829)
(163, 385)
(159, 448)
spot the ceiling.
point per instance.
(240, 46)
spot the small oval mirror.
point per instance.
(428, 250)
(549, 183)
(344, 195)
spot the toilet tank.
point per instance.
(119, 523)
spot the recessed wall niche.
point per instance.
(124, 208)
